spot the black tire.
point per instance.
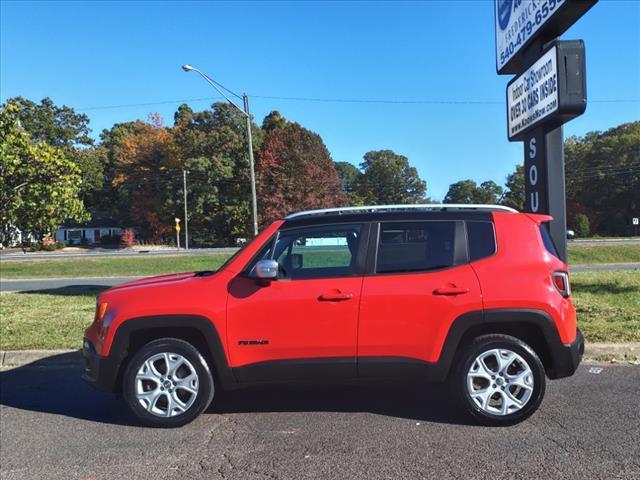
(205, 390)
(466, 358)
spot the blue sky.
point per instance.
(97, 54)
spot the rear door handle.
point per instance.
(450, 290)
(335, 296)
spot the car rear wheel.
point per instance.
(499, 379)
(167, 383)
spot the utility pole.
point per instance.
(254, 202)
(186, 221)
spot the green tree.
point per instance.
(212, 146)
(467, 191)
(273, 120)
(39, 186)
(514, 194)
(388, 178)
(603, 177)
(581, 225)
(349, 177)
(56, 126)
(64, 128)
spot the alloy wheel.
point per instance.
(166, 384)
(500, 381)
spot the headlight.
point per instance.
(101, 309)
(107, 318)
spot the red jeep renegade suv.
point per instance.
(475, 295)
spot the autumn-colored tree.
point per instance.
(295, 172)
(144, 159)
(128, 238)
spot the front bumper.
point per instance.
(100, 372)
(567, 357)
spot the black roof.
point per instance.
(384, 216)
(98, 220)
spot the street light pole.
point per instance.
(247, 116)
(254, 202)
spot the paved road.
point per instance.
(28, 285)
(604, 267)
(55, 427)
(606, 241)
(17, 256)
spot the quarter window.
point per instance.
(415, 246)
(548, 242)
(482, 240)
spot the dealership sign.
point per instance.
(552, 90)
(519, 22)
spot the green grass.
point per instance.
(156, 265)
(608, 305)
(109, 266)
(603, 253)
(46, 320)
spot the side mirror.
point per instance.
(266, 269)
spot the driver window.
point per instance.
(318, 252)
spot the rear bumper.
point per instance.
(567, 357)
(100, 372)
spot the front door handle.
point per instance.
(450, 290)
(335, 296)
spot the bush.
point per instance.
(49, 245)
(581, 225)
(128, 239)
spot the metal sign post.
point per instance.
(178, 232)
(548, 91)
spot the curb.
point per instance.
(612, 352)
(594, 352)
(43, 358)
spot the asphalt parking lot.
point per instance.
(55, 427)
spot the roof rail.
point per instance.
(385, 208)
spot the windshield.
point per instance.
(235, 255)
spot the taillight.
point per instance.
(561, 282)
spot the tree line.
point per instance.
(53, 171)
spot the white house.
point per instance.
(87, 233)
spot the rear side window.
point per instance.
(548, 242)
(415, 246)
(482, 240)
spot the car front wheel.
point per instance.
(499, 379)
(167, 383)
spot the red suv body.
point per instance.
(476, 295)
